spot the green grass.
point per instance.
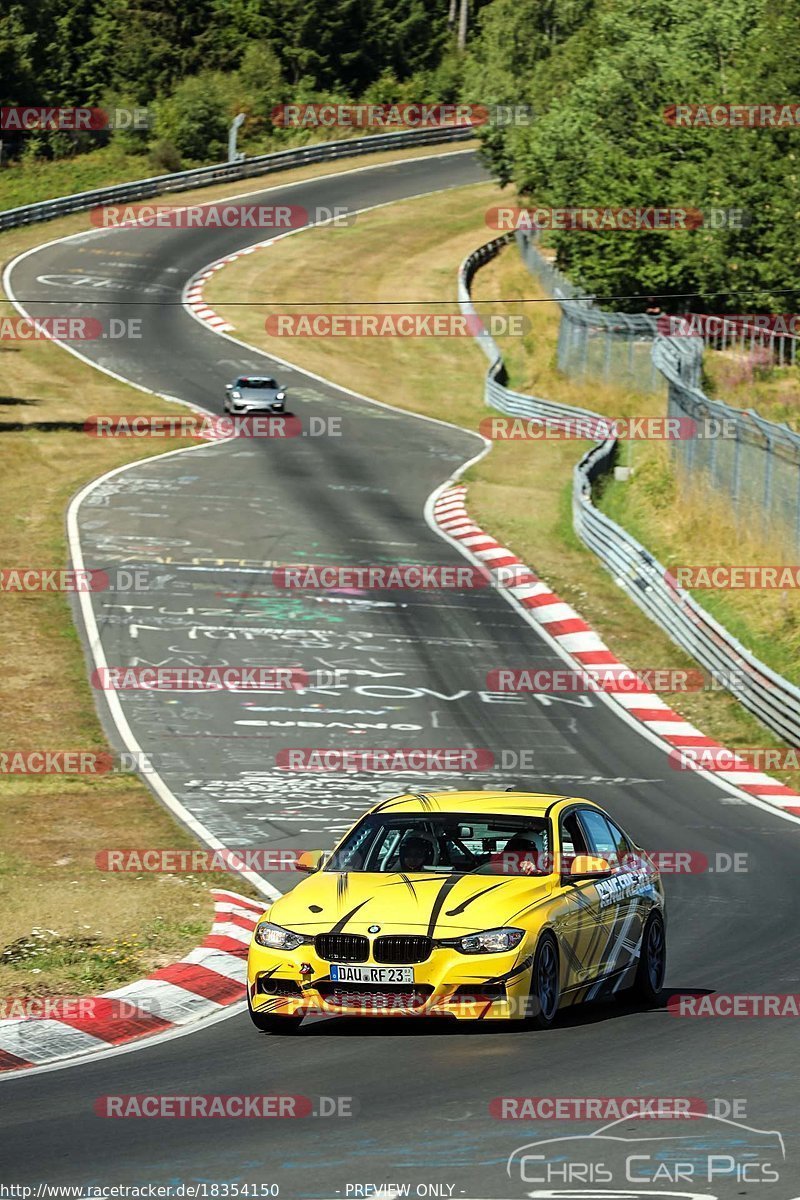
(30, 181)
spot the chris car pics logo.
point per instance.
(716, 1150)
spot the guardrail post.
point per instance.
(767, 477)
(737, 454)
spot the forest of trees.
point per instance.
(599, 76)
(597, 73)
(196, 63)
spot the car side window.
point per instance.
(624, 844)
(573, 840)
(603, 840)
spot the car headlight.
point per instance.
(280, 395)
(278, 938)
(236, 395)
(491, 941)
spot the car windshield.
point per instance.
(447, 843)
(257, 383)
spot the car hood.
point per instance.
(437, 905)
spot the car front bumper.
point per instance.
(448, 984)
(237, 406)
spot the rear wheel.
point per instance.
(652, 962)
(545, 990)
(270, 1023)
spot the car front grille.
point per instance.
(399, 948)
(404, 997)
(342, 947)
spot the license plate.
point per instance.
(341, 973)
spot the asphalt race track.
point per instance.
(405, 669)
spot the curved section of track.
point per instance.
(411, 671)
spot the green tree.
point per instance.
(196, 116)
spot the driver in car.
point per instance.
(416, 852)
(523, 854)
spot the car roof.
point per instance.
(530, 804)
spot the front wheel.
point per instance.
(545, 990)
(652, 965)
(270, 1023)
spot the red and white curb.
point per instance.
(193, 296)
(580, 643)
(199, 986)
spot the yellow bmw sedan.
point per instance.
(473, 905)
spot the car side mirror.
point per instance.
(311, 860)
(587, 866)
(228, 387)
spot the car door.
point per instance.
(581, 923)
(621, 908)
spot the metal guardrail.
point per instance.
(261, 164)
(771, 698)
